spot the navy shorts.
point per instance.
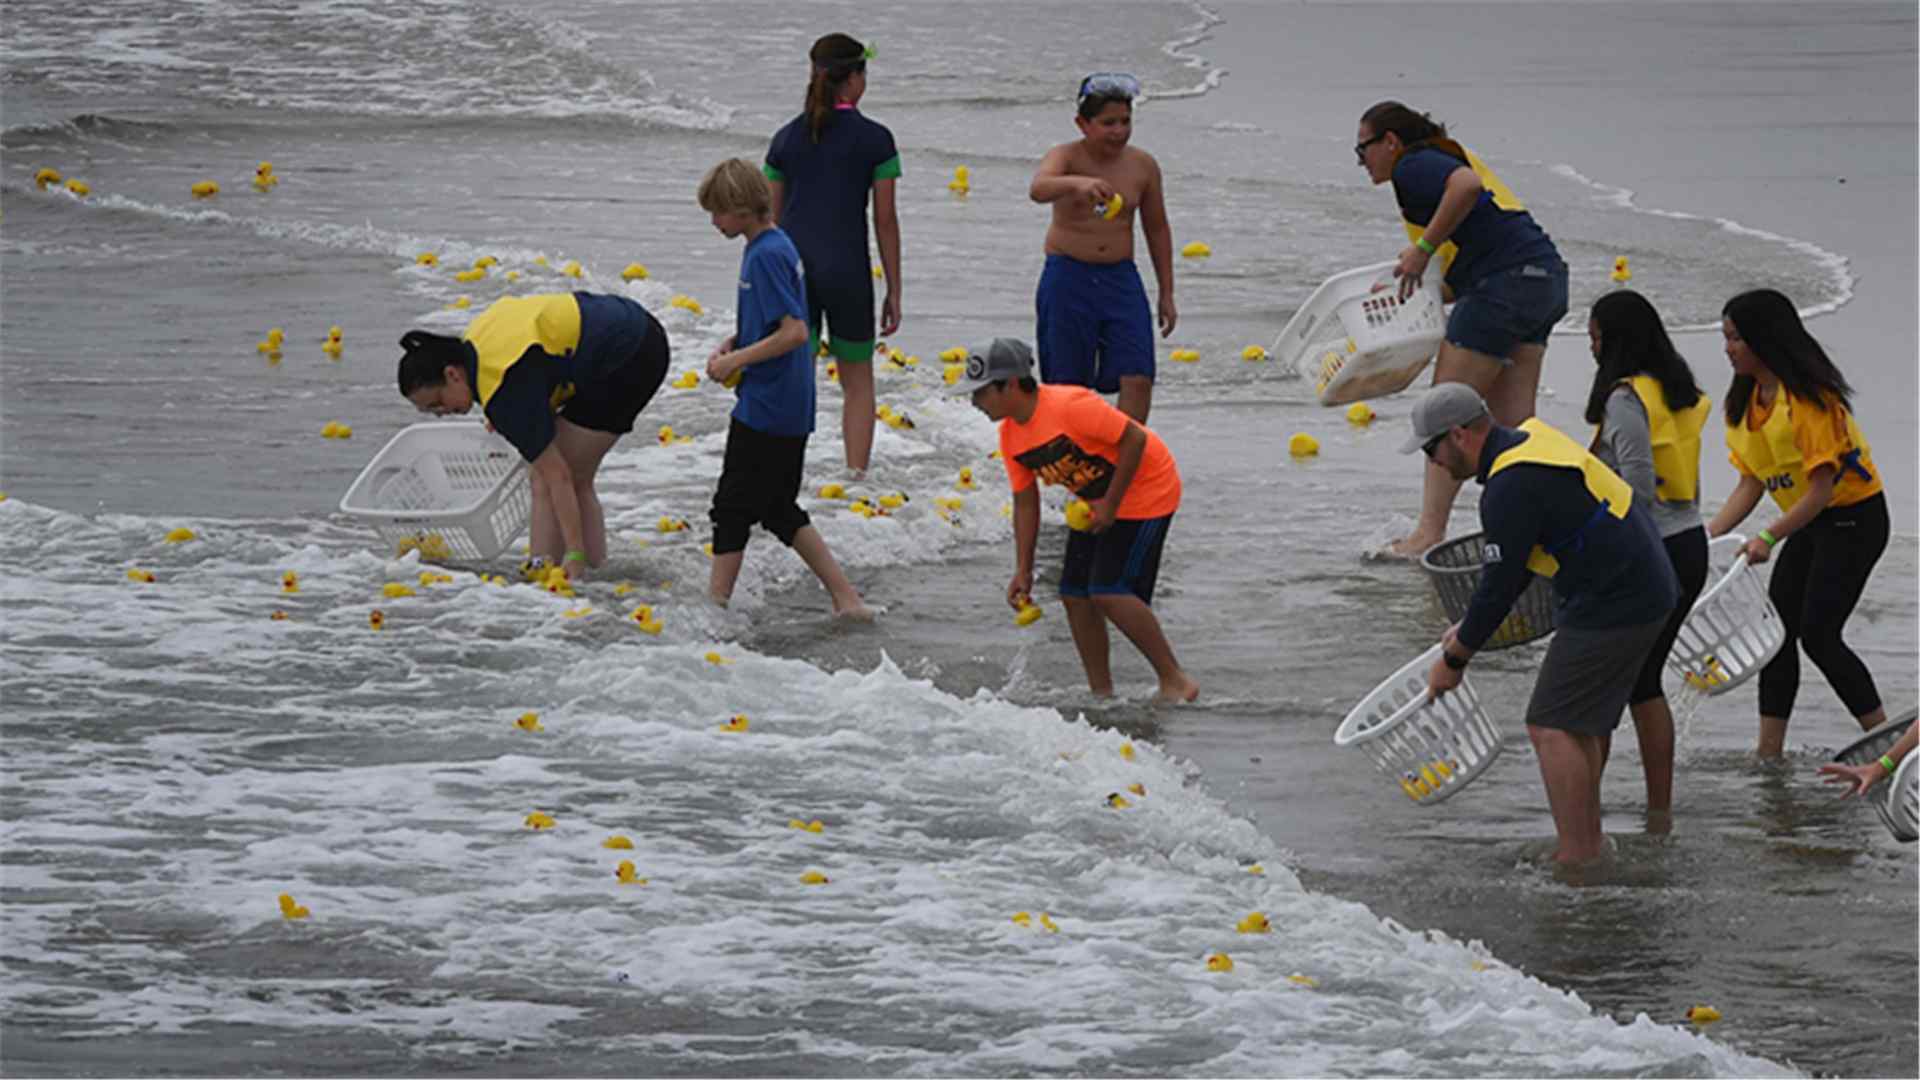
(610, 399)
(1124, 559)
(1509, 308)
(1092, 323)
(842, 304)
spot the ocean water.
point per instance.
(176, 758)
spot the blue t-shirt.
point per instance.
(826, 189)
(776, 395)
(1613, 571)
(539, 384)
(1490, 239)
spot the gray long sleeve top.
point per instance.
(1626, 445)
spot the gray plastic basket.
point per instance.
(1870, 747)
(1454, 567)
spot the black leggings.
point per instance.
(1687, 551)
(1817, 579)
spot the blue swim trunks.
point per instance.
(1093, 323)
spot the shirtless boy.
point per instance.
(1093, 325)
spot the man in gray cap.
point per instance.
(1069, 435)
(1552, 508)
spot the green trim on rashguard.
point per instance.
(850, 352)
(888, 169)
(772, 173)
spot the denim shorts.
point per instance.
(1510, 308)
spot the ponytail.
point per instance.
(836, 57)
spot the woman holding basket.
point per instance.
(1648, 413)
(1504, 276)
(1791, 435)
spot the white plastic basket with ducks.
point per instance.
(1356, 339)
(1431, 748)
(1732, 630)
(454, 492)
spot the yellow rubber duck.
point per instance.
(1118, 801)
(1113, 207)
(1196, 250)
(1703, 1014)
(476, 274)
(634, 272)
(965, 483)
(45, 177)
(1303, 445)
(626, 873)
(962, 181)
(1257, 870)
(687, 381)
(513, 275)
(1621, 272)
(900, 422)
(181, 535)
(862, 507)
(832, 371)
(1138, 789)
(1051, 926)
(673, 525)
(1253, 354)
(461, 303)
(290, 909)
(485, 261)
(529, 722)
(429, 577)
(955, 355)
(1219, 962)
(813, 877)
(687, 303)
(144, 577)
(1307, 981)
(879, 271)
(894, 501)
(272, 342)
(643, 618)
(538, 820)
(949, 502)
(832, 491)
(279, 616)
(617, 842)
(1185, 356)
(289, 582)
(1021, 918)
(573, 269)
(334, 343)
(1360, 413)
(393, 590)
(1079, 515)
(539, 260)
(79, 188)
(1028, 614)
(952, 372)
(738, 723)
(1712, 677)
(814, 826)
(1126, 751)
(717, 660)
(205, 189)
(1254, 923)
(376, 619)
(426, 258)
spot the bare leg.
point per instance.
(812, 549)
(1773, 736)
(583, 449)
(1653, 723)
(1136, 396)
(543, 530)
(1137, 620)
(1569, 768)
(857, 413)
(721, 578)
(1484, 373)
(1089, 628)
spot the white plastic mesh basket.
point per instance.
(455, 492)
(1903, 801)
(1356, 339)
(1732, 630)
(1869, 747)
(1431, 748)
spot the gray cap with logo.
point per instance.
(1001, 358)
(1440, 410)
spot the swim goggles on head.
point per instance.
(849, 63)
(1108, 84)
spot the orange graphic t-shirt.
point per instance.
(1073, 440)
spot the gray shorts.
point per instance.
(1588, 677)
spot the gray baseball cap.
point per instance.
(1440, 410)
(1001, 358)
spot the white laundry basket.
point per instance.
(1356, 339)
(455, 492)
(1897, 808)
(1733, 629)
(1903, 801)
(1431, 748)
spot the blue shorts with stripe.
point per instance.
(1124, 559)
(1093, 323)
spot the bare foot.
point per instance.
(1178, 690)
(1412, 547)
(854, 611)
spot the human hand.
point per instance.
(1096, 189)
(1858, 778)
(1410, 268)
(721, 365)
(1020, 589)
(1757, 551)
(1441, 678)
(889, 315)
(1104, 512)
(1169, 315)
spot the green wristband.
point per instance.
(1886, 762)
(1424, 245)
(1768, 537)
(576, 556)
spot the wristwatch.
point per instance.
(1457, 663)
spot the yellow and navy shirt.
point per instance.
(1609, 569)
(533, 354)
(1779, 444)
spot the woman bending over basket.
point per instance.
(1648, 412)
(1504, 276)
(561, 376)
(1792, 435)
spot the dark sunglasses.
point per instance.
(1360, 148)
(1433, 444)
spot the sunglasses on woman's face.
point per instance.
(1360, 148)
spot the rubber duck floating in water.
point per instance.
(617, 842)
(627, 875)
(573, 269)
(1307, 981)
(1138, 789)
(1703, 1014)
(263, 177)
(46, 177)
(289, 582)
(669, 437)
(1253, 354)
(205, 189)
(1303, 445)
(144, 577)
(687, 380)
(1219, 962)
(717, 660)
(478, 273)
(485, 261)
(538, 820)
(376, 619)
(291, 909)
(634, 272)
(426, 258)
(1196, 250)
(814, 826)
(1254, 923)
(962, 181)
(738, 723)
(1185, 356)
(335, 342)
(79, 188)
(461, 303)
(832, 491)
(272, 342)
(894, 501)
(814, 877)
(1621, 272)
(673, 525)
(687, 303)
(529, 722)
(1118, 801)
(965, 483)
(394, 590)
(1360, 413)
(642, 617)
(181, 535)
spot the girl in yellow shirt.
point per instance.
(1791, 435)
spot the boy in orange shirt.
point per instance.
(1069, 435)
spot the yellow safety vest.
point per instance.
(503, 334)
(1774, 457)
(1503, 197)
(1676, 440)
(1547, 446)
